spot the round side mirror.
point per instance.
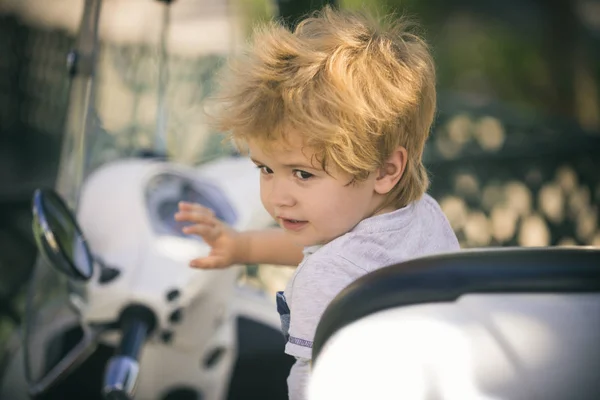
(58, 236)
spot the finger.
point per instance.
(210, 262)
(195, 207)
(185, 204)
(205, 231)
(195, 217)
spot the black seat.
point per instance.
(446, 277)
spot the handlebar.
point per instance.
(120, 378)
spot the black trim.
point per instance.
(446, 277)
(261, 367)
(48, 244)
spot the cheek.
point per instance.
(263, 194)
(347, 207)
(335, 208)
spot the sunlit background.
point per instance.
(514, 155)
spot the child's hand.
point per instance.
(224, 241)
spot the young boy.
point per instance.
(335, 115)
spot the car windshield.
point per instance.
(135, 102)
(148, 93)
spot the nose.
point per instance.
(278, 193)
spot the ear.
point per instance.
(391, 171)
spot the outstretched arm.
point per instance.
(269, 246)
(228, 247)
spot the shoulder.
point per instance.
(417, 230)
(321, 279)
(323, 275)
(431, 206)
(364, 250)
(328, 266)
(433, 225)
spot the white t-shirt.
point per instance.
(417, 230)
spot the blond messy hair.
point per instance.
(355, 88)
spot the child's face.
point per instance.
(313, 206)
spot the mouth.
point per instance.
(292, 224)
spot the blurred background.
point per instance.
(514, 154)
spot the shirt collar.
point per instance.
(386, 221)
(308, 250)
(378, 223)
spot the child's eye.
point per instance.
(264, 169)
(302, 175)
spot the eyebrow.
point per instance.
(292, 166)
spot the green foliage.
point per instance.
(255, 11)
